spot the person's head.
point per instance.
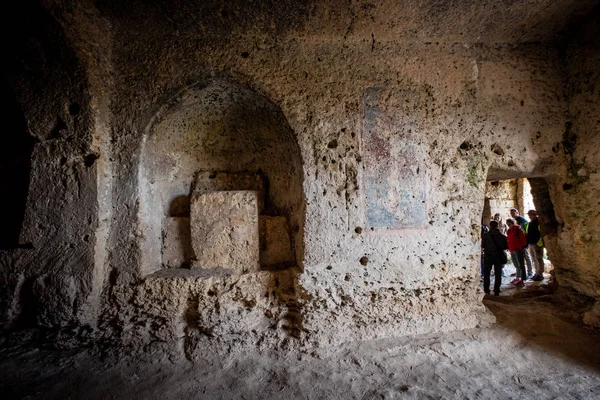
(514, 212)
(497, 217)
(532, 214)
(494, 224)
(510, 222)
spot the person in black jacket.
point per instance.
(484, 229)
(493, 244)
(536, 246)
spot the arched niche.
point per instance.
(218, 149)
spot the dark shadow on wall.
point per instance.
(15, 167)
(179, 215)
(543, 204)
(288, 295)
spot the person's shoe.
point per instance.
(487, 292)
(529, 275)
(537, 278)
(514, 281)
(496, 293)
(520, 283)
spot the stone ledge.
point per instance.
(201, 274)
(183, 273)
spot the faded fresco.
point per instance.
(393, 178)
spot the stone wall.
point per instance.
(396, 141)
(376, 151)
(579, 187)
(524, 198)
(47, 278)
(500, 197)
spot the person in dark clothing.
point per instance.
(493, 244)
(484, 229)
(536, 245)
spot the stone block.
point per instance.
(275, 248)
(176, 242)
(207, 181)
(224, 228)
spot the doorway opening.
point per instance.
(505, 200)
(15, 162)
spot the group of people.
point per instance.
(522, 238)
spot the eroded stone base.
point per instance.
(393, 312)
(199, 311)
(194, 312)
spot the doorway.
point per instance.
(520, 194)
(15, 162)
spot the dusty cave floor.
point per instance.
(535, 351)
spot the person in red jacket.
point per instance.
(517, 242)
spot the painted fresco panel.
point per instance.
(394, 177)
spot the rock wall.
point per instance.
(397, 141)
(500, 197)
(393, 139)
(579, 189)
(47, 278)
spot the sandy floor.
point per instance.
(536, 351)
